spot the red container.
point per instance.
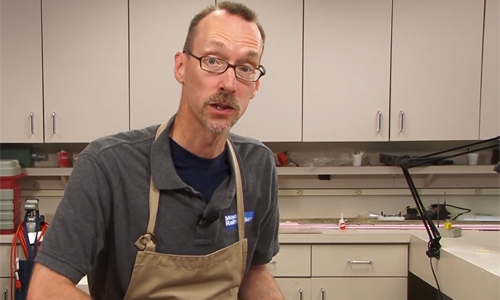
(63, 159)
(11, 180)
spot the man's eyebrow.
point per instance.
(249, 55)
(216, 43)
(252, 54)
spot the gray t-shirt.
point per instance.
(105, 209)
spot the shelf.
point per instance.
(340, 170)
(63, 173)
(385, 170)
(44, 171)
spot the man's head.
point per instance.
(233, 8)
(219, 67)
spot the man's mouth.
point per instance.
(220, 106)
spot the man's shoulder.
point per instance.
(253, 153)
(246, 144)
(126, 140)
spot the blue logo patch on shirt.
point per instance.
(232, 220)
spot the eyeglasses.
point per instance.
(244, 72)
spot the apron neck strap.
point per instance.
(239, 192)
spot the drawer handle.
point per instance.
(54, 123)
(5, 294)
(323, 294)
(379, 122)
(359, 262)
(401, 121)
(32, 115)
(300, 294)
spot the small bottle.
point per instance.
(447, 224)
(63, 159)
(342, 224)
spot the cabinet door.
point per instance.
(6, 288)
(85, 57)
(158, 29)
(346, 70)
(21, 102)
(358, 288)
(275, 114)
(436, 69)
(295, 288)
(292, 261)
(490, 93)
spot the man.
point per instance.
(184, 210)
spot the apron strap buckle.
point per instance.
(146, 241)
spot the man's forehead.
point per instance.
(222, 20)
(219, 29)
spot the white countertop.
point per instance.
(480, 248)
(469, 266)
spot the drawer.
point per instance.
(5, 258)
(5, 288)
(359, 288)
(292, 261)
(348, 260)
(295, 288)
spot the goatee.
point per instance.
(219, 128)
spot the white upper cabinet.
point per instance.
(21, 106)
(85, 69)
(158, 29)
(490, 94)
(275, 114)
(346, 70)
(436, 69)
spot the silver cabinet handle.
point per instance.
(300, 294)
(5, 294)
(54, 122)
(323, 294)
(272, 262)
(359, 262)
(401, 120)
(32, 115)
(379, 123)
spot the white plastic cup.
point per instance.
(472, 158)
(356, 159)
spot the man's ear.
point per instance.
(179, 67)
(255, 88)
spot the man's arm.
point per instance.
(47, 284)
(259, 284)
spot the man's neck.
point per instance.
(194, 137)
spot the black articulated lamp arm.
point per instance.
(406, 162)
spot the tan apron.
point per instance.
(188, 277)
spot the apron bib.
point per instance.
(187, 277)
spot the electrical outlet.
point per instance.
(358, 192)
(390, 218)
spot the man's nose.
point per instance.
(228, 80)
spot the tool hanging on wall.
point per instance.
(29, 234)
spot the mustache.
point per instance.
(223, 98)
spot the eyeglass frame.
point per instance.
(260, 68)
